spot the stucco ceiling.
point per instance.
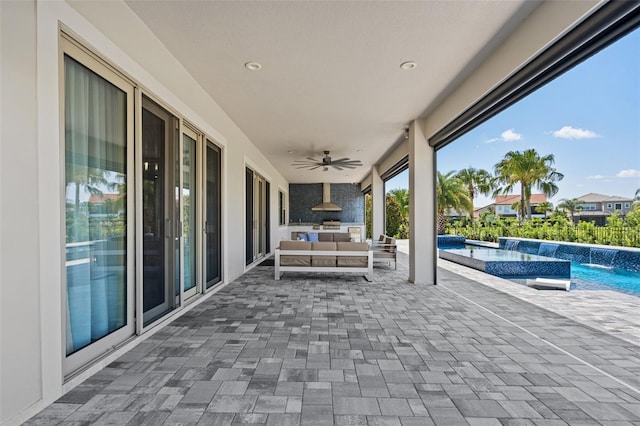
(331, 76)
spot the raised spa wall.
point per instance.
(618, 257)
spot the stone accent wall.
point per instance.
(303, 196)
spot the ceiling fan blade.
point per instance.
(336, 167)
(340, 160)
(313, 159)
(313, 168)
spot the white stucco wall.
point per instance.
(19, 236)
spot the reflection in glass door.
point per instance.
(98, 109)
(212, 214)
(158, 240)
(189, 209)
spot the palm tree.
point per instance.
(451, 193)
(92, 179)
(544, 207)
(572, 206)
(477, 182)
(529, 170)
(402, 197)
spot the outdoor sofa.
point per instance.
(323, 256)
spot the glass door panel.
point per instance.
(157, 213)
(212, 214)
(189, 208)
(98, 286)
(249, 217)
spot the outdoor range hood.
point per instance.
(326, 205)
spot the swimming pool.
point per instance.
(593, 271)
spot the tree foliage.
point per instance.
(527, 170)
(477, 182)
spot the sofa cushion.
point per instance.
(323, 260)
(354, 261)
(294, 260)
(341, 237)
(325, 236)
(312, 237)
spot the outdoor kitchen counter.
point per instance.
(308, 227)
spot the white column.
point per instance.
(377, 204)
(422, 209)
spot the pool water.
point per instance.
(583, 277)
(619, 278)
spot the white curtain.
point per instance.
(95, 171)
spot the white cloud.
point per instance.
(568, 132)
(596, 177)
(629, 173)
(506, 136)
(510, 135)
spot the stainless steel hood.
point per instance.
(326, 205)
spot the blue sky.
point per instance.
(588, 118)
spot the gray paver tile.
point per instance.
(354, 405)
(232, 404)
(314, 349)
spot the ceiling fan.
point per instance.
(326, 162)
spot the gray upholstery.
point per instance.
(359, 261)
(295, 260)
(341, 237)
(323, 260)
(325, 236)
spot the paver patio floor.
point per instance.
(316, 349)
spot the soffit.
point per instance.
(331, 76)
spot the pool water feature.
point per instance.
(591, 267)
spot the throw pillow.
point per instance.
(312, 236)
(303, 237)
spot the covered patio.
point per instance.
(314, 350)
(154, 154)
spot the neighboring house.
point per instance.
(502, 205)
(598, 207)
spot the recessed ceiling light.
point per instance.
(359, 150)
(253, 66)
(409, 65)
(291, 151)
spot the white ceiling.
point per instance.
(331, 76)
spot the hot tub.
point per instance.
(508, 264)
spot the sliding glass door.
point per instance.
(159, 239)
(98, 157)
(142, 219)
(257, 216)
(189, 210)
(213, 203)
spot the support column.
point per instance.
(377, 204)
(422, 208)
